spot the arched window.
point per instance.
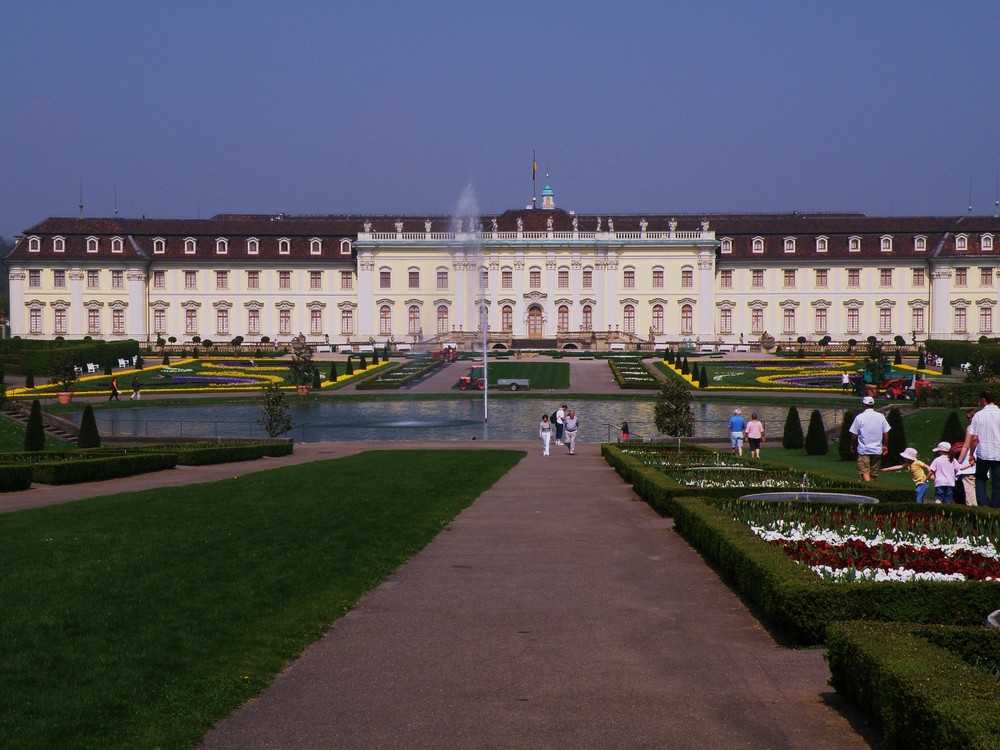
(821, 244)
(221, 246)
(758, 244)
(657, 319)
(562, 318)
(442, 319)
(629, 314)
(34, 245)
(58, 245)
(854, 244)
(253, 246)
(190, 246)
(385, 320)
(789, 244)
(961, 242)
(413, 319)
(315, 246)
(986, 243)
(687, 319)
(687, 278)
(629, 278)
(727, 245)
(116, 245)
(587, 318)
(887, 244)
(91, 244)
(284, 247)
(159, 246)
(507, 318)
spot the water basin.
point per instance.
(811, 497)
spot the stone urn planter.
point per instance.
(64, 397)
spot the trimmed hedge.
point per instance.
(99, 468)
(792, 599)
(918, 682)
(204, 455)
(15, 478)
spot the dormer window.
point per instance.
(854, 244)
(91, 244)
(221, 246)
(253, 246)
(34, 245)
(886, 244)
(159, 246)
(727, 245)
(190, 246)
(758, 244)
(789, 244)
(58, 245)
(117, 245)
(986, 243)
(284, 246)
(920, 244)
(821, 244)
(962, 243)
(315, 246)
(345, 247)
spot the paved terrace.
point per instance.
(556, 612)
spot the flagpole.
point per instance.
(534, 169)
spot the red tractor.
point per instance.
(905, 388)
(448, 354)
(473, 378)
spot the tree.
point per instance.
(816, 443)
(876, 364)
(672, 412)
(844, 441)
(34, 432)
(980, 368)
(897, 359)
(274, 416)
(63, 369)
(897, 437)
(89, 436)
(952, 431)
(302, 362)
(791, 436)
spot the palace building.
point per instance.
(542, 277)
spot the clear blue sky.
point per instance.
(197, 108)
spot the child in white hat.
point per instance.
(917, 468)
(943, 469)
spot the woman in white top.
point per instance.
(545, 433)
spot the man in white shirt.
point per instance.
(560, 423)
(982, 440)
(869, 436)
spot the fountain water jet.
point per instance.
(469, 238)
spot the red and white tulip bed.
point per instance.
(854, 545)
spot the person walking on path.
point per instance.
(982, 441)
(560, 426)
(135, 389)
(917, 468)
(967, 471)
(942, 473)
(545, 433)
(624, 430)
(755, 435)
(114, 390)
(569, 430)
(869, 433)
(736, 426)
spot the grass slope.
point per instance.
(138, 620)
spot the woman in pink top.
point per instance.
(755, 435)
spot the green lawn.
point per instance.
(12, 438)
(543, 375)
(138, 620)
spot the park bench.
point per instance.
(616, 347)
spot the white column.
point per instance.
(18, 320)
(940, 303)
(76, 325)
(365, 322)
(136, 317)
(705, 324)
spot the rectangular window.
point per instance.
(347, 321)
(34, 278)
(821, 278)
(788, 320)
(284, 279)
(725, 320)
(588, 278)
(442, 280)
(853, 320)
(384, 279)
(918, 277)
(687, 278)
(985, 320)
(789, 279)
(726, 279)
(658, 278)
(885, 277)
(159, 320)
(222, 321)
(820, 320)
(961, 276)
(629, 279)
(757, 279)
(917, 319)
(93, 321)
(986, 277)
(885, 320)
(190, 279)
(253, 279)
(315, 279)
(564, 279)
(59, 279)
(93, 279)
(507, 279)
(222, 279)
(535, 279)
(35, 318)
(159, 279)
(253, 321)
(190, 322)
(961, 322)
(316, 322)
(117, 279)
(854, 277)
(285, 322)
(60, 319)
(118, 321)
(757, 320)
(346, 280)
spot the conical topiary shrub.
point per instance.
(685, 369)
(703, 378)
(374, 356)
(29, 380)
(816, 443)
(34, 432)
(317, 382)
(362, 365)
(166, 359)
(350, 367)
(844, 441)
(953, 431)
(89, 437)
(945, 366)
(896, 442)
(921, 359)
(333, 372)
(791, 436)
